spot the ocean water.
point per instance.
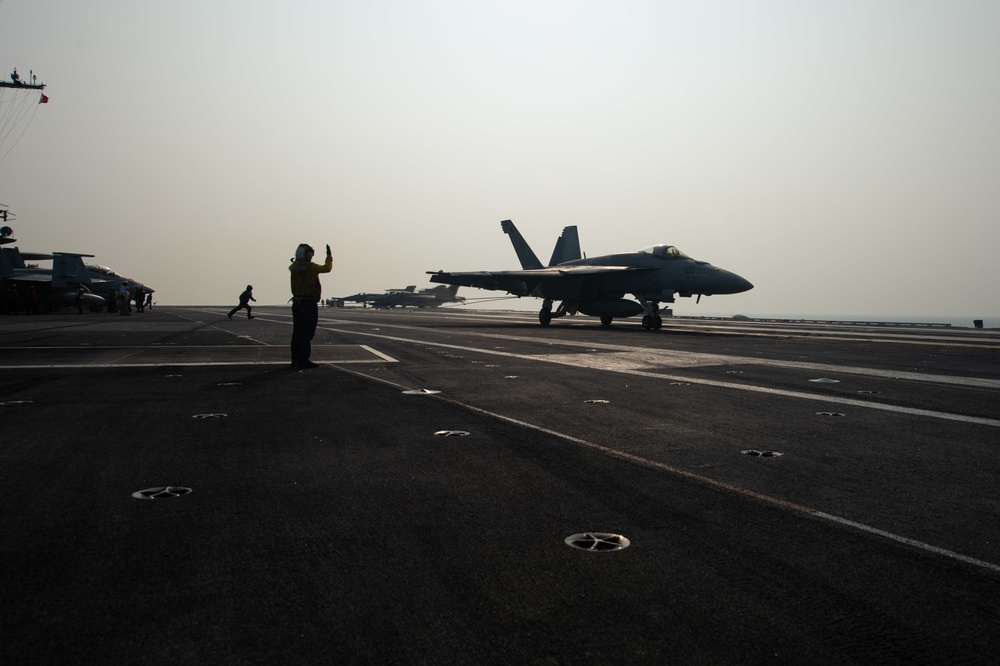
(955, 321)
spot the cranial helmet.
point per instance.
(302, 249)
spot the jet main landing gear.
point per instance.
(546, 315)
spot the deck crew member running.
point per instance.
(245, 299)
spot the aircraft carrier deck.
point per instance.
(456, 486)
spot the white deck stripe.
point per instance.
(674, 358)
(593, 361)
(722, 485)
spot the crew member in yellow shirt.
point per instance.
(305, 302)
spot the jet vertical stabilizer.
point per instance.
(68, 269)
(524, 253)
(445, 292)
(567, 247)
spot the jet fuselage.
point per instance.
(655, 279)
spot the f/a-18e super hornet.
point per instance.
(596, 286)
(409, 297)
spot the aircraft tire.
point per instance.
(647, 322)
(544, 318)
(606, 320)
(657, 322)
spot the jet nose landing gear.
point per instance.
(651, 319)
(653, 322)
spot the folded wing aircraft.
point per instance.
(425, 298)
(596, 286)
(56, 287)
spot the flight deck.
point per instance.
(466, 486)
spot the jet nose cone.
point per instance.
(727, 282)
(741, 284)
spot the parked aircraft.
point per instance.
(56, 287)
(105, 278)
(409, 297)
(597, 286)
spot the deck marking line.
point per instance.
(978, 420)
(722, 485)
(894, 335)
(384, 357)
(687, 359)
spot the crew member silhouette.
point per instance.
(306, 292)
(245, 299)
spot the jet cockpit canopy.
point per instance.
(97, 268)
(664, 252)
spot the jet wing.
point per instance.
(598, 270)
(479, 279)
(523, 282)
(26, 277)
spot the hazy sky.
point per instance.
(842, 156)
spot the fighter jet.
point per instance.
(596, 286)
(56, 287)
(409, 297)
(106, 278)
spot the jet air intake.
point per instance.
(610, 307)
